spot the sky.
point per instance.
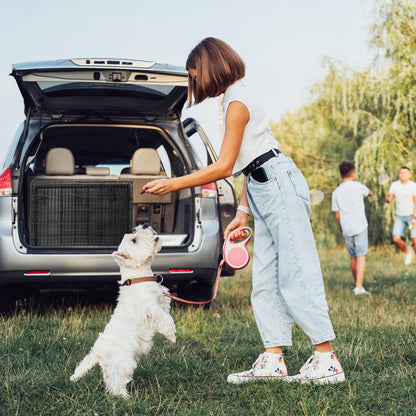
(282, 42)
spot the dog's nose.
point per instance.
(145, 226)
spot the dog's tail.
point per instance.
(86, 364)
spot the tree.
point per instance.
(363, 116)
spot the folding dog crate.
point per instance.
(78, 213)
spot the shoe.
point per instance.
(360, 291)
(267, 367)
(408, 257)
(320, 368)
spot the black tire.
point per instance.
(227, 270)
(196, 291)
(8, 301)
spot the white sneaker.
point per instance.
(408, 257)
(268, 366)
(320, 368)
(360, 291)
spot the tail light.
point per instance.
(6, 182)
(173, 271)
(209, 190)
(37, 273)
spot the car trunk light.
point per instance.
(209, 190)
(6, 182)
(181, 271)
(37, 273)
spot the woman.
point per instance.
(287, 278)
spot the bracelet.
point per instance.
(244, 209)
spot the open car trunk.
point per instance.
(80, 189)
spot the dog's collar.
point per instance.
(134, 280)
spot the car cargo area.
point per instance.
(82, 187)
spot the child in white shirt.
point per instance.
(348, 205)
(405, 192)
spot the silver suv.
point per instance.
(95, 131)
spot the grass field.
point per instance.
(376, 336)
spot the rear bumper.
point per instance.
(101, 268)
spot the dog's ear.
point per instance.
(119, 257)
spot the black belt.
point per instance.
(256, 163)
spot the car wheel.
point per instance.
(8, 301)
(197, 291)
(227, 270)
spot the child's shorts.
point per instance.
(400, 225)
(357, 245)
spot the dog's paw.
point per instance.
(120, 392)
(73, 378)
(123, 395)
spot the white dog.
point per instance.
(141, 312)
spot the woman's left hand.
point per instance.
(240, 220)
(158, 187)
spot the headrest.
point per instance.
(145, 161)
(59, 161)
(97, 171)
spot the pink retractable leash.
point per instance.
(235, 253)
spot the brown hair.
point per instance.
(345, 169)
(217, 65)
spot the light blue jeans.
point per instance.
(287, 277)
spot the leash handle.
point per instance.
(235, 252)
(191, 302)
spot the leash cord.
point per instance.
(217, 282)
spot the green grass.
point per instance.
(39, 348)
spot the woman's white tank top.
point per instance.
(258, 137)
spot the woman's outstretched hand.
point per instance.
(158, 187)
